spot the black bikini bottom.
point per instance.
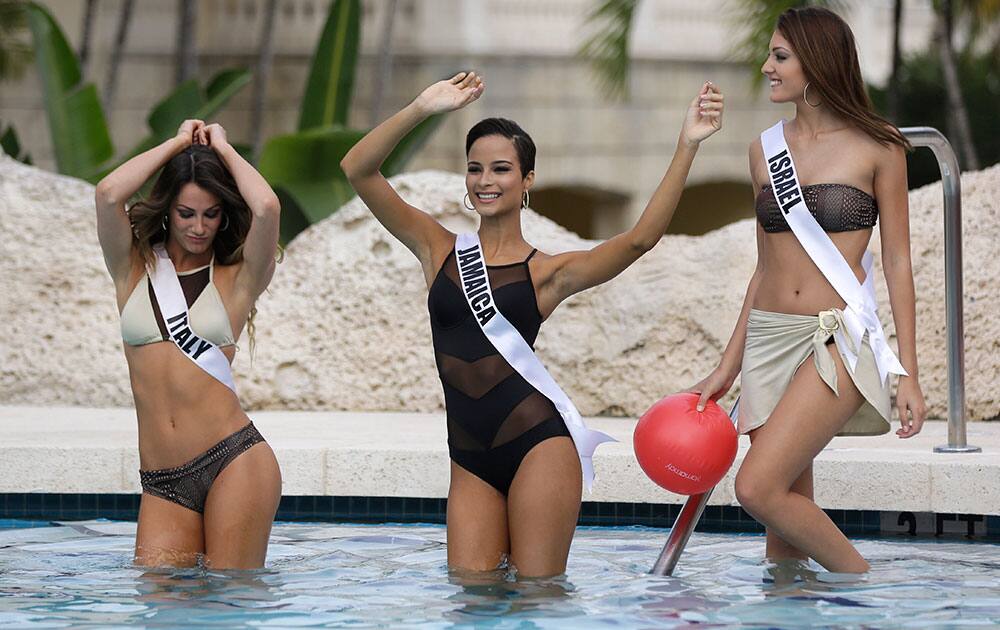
(497, 466)
(188, 484)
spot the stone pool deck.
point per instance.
(80, 450)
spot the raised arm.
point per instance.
(572, 272)
(894, 214)
(421, 233)
(114, 231)
(261, 243)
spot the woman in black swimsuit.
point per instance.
(515, 474)
(797, 390)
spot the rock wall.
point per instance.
(344, 325)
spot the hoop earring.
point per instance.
(525, 199)
(163, 222)
(805, 96)
(225, 226)
(467, 203)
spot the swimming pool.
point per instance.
(395, 575)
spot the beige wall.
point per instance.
(524, 48)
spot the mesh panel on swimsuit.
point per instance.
(188, 484)
(192, 284)
(837, 208)
(495, 417)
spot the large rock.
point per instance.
(344, 325)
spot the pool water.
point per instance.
(395, 576)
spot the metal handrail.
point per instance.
(685, 523)
(957, 442)
(951, 186)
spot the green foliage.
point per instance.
(330, 86)
(923, 101)
(304, 167)
(189, 100)
(80, 138)
(607, 49)
(11, 145)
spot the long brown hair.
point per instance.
(198, 164)
(825, 45)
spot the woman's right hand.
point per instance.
(189, 130)
(451, 94)
(713, 386)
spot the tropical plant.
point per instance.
(15, 56)
(80, 138)
(11, 145)
(923, 100)
(304, 167)
(611, 21)
(607, 48)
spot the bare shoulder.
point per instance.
(863, 144)
(544, 265)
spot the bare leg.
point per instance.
(240, 509)
(477, 523)
(168, 534)
(544, 506)
(777, 548)
(804, 421)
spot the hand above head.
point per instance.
(704, 115)
(190, 130)
(451, 94)
(214, 136)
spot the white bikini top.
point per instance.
(142, 323)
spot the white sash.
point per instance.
(512, 346)
(173, 308)
(861, 313)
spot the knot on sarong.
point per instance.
(828, 321)
(831, 324)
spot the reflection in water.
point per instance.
(175, 595)
(396, 576)
(501, 593)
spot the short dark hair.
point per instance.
(509, 129)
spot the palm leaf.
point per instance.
(607, 49)
(80, 139)
(188, 100)
(327, 98)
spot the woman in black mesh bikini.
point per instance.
(516, 474)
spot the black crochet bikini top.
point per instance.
(837, 208)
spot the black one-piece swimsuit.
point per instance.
(494, 416)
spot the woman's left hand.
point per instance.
(214, 136)
(911, 407)
(704, 115)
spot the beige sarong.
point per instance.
(778, 343)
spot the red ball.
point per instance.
(684, 450)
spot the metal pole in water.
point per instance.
(684, 525)
(954, 320)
